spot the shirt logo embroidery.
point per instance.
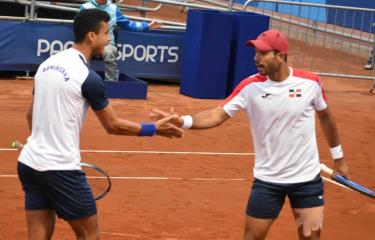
(59, 69)
(293, 92)
(266, 95)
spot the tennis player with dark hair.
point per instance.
(280, 103)
(49, 164)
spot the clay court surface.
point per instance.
(193, 209)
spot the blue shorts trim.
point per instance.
(66, 192)
(267, 199)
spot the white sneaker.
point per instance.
(368, 67)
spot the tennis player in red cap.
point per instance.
(281, 103)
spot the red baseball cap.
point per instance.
(270, 40)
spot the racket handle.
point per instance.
(326, 169)
(16, 145)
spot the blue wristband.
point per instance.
(148, 129)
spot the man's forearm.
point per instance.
(330, 132)
(329, 127)
(29, 116)
(209, 118)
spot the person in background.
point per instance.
(117, 19)
(370, 61)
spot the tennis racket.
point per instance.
(98, 179)
(348, 183)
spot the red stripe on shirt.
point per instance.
(310, 76)
(244, 83)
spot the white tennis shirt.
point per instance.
(64, 88)
(282, 120)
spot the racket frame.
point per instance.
(17, 145)
(347, 183)
(105, 175)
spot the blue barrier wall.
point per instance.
(313, 13)
(215, 57)
(341, 18)
(206, 57)
(127, 87)
(345, 18)
(149, 54)
(246, 26)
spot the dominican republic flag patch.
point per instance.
(295, 92)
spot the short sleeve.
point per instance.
(236, 101)
(320, 100)
(93, 89)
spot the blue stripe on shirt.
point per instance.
(93, 89)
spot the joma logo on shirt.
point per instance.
(295, 92)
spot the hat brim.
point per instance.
(259, 44)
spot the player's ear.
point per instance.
(283, 55)
(90, 36)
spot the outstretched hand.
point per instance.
(16, 145)
(165, 126)
(157, 114)
(154, 25)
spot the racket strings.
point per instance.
(99, 182)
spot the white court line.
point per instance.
(121, 234)
(150, 178)
(168, 178)
(154, 152)
(177, 178)
(8, 149)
